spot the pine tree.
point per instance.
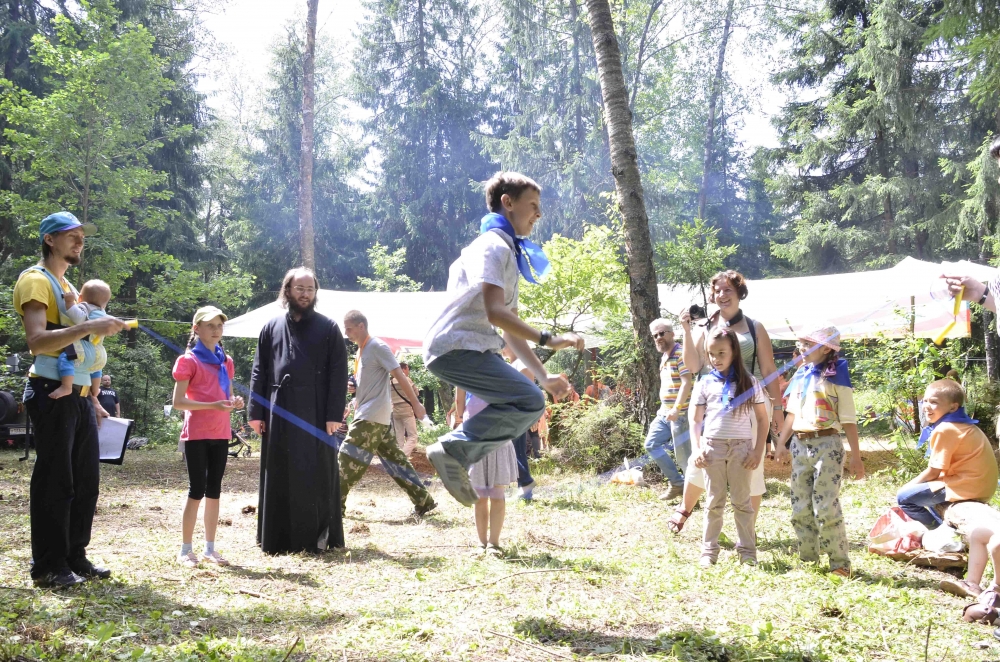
(418, 64)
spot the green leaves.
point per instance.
(386, 267)
(693, 257)
(588, 281)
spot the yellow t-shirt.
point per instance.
(35, 286)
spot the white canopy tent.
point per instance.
(909, 296)
(893, 302)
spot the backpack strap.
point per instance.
(57, 291)
(753, 336)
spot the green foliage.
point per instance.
(693, 257)
(588, 281)
(86, 145)
(595, 438)
(386, 267)
(140, 373)
(897, 371)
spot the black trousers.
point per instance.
(206, 463)
(521, 453)
(66, 477)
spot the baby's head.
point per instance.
(942, 397)
(96, 293)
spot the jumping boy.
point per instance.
(462, 346)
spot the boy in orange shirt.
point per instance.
(962, 466)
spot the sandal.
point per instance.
(676, 522)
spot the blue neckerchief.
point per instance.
(530, 255)
(218, 357)
(728, 385)
(808, 374)
(957, 416)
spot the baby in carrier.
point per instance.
(89, 352)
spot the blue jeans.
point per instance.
(664, 435)
(514, 402)
(918, 502)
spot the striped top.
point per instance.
(721, 422)
(671, 368)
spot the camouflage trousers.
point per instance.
(364, 441)
(817, 471)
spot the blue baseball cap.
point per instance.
(62, 221)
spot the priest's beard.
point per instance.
(301, 311)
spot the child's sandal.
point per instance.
(676, 522)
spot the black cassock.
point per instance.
(300, 366)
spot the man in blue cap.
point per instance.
(65, 480)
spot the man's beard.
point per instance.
(72, 259)
(293, 305)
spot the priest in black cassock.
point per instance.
(299, 386)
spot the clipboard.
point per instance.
(113, 437)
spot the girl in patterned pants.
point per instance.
(820, 408)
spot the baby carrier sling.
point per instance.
(90, 354)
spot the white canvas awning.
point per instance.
(401, 319)
(862, 304)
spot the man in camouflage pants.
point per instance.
(370, 433)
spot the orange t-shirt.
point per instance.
(964, 454)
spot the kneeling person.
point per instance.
(962, 466)
(370, 432)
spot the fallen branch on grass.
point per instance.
(294, 644)
(521, 641)
(254, 594)
(514, 574)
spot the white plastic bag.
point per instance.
(943, 539)
(628, 475)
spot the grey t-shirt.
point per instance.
(463, 323)
(372, 399)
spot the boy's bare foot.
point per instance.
(61, 392)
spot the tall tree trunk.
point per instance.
(713, 102)
(645, 305)
(306, 234)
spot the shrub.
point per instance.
(594, 438)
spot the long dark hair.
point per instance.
(744, 380)
(286, 284)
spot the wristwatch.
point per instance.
(544, 338)
(986, 294)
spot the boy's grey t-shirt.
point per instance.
(463, 323)
(372, 399)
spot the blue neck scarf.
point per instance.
(728, 385)
(809, 374)
(958, 416)
(218, 357)
(530, 255)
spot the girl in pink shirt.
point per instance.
(203, 390)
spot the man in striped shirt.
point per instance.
(669, 430)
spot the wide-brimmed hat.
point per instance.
(828, 336)
(207, 313)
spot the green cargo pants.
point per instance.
(366, 439)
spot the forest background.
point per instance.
(880, 154)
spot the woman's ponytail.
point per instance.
(191, 339)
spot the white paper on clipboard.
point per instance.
(113, 436)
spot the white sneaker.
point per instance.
(215, 558)
(189, 560)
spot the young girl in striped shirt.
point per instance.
(721, 442)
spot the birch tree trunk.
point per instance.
(643, 297)
(307, 240)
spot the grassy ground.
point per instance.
(590, 573)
